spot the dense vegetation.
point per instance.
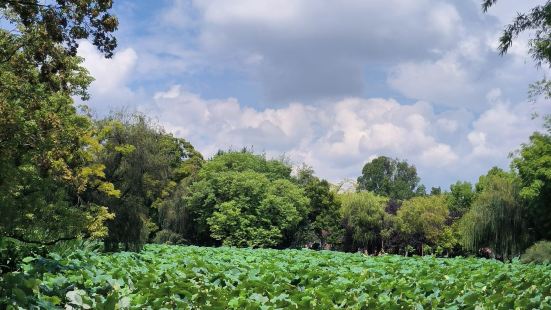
(163, 276)
(125, 182)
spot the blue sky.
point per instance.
(331, 84)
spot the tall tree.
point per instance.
(534, 168)
(460, 199)
(323, 221)
(47, 151)
(174, 217)
(144, 163)
(389, 177)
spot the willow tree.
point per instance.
(497, 218)
(145, 163)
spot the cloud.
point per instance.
(311, 50)
(110, 88)
(337, 138)
(315, 80)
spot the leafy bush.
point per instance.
(169, 237)
(538, 253)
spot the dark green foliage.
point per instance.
(323, 223)
(48, 33)
(169, 237)
(47, 151)
(538, 253)
(390, 178)
(435, 191)
(174, 216)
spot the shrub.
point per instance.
(539, 253)
(169, 237)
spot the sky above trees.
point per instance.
(330, 83)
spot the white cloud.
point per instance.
(110, 74)
(338, 138)
(311, 57)
(109, 90)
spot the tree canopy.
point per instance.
(422, 219)
(243, 199)
(145, 164)
(389, 177)
(47, 152)
(497, 218)
(533, 164)
(365, 220)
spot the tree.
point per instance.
(536, 21)
(389, 177)
(174, 218)
(365, 220)
(47, 32)
(423, 219)
(323, 221)
(47, 149)
(145, 164)
(242, 199)
(496, 218)
(460, 198)
(47, 152)
(534, 169)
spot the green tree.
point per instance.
(460, 198)
(323, 221)
(436, 190)
(390, 178)
(366, 222)
(145, 164)
(47, 32)
(496, 218)
(47, 152)
(243, 199)
(534, 169)
(174, 217)
(423, 219)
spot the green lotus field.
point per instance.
(163, 276)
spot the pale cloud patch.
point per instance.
(109, 91)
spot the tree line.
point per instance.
(132, 183)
